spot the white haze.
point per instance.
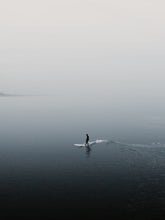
(90, 50)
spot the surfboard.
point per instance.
(90, 143)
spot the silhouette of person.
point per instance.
(87, 139)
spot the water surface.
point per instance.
(44, 174)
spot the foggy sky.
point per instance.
(103, 48)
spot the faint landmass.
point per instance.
(3, 94)
(6, 95)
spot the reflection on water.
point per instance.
(88, 151)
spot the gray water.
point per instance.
(42, 172)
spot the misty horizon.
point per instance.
(62, 47)
(82, 111)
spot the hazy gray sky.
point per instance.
(99, 47)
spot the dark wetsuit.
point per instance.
(87, 138)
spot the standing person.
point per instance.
(87, 139)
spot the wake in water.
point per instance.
(90, 143)
(139, 149)
(154, 144)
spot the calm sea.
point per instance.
(42, 172)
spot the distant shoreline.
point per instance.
(3, 95)
(12, 95)
(7, 95)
